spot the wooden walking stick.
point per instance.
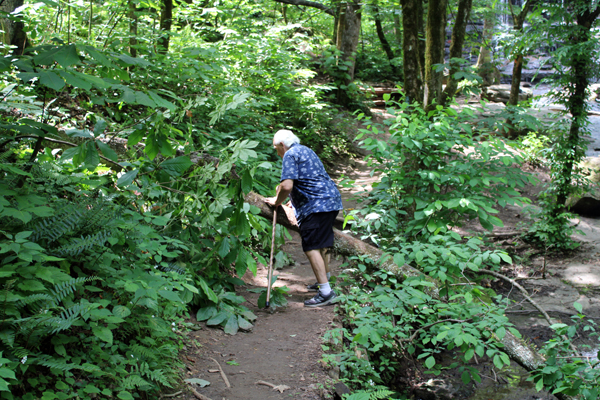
(270, 273)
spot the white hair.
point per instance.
(286, 137)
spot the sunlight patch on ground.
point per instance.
(583, 275)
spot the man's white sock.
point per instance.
(324, 289)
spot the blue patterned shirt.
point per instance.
(313, 190)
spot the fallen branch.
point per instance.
(162, 396)
(281, 388)
(529, 299)
(198, 395)
(222, 373)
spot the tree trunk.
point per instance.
(133, 26)
(581, 62)
(484, 61)
(14, 31)
(434, 52)
(456, 48)
(166, 19)
(384, 43)
(517, 349)
(348, 34)
(413, 80)
(515, 84)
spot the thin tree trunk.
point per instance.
(348, 34)
(484, 61)
(515, 84)
(133, 26)
(413, 79)
(434, 52)
(456, 47)
(580, 64)
(166, 20)
(381, 35)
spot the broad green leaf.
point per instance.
(18, 214)
(74, 80)
(67, 56)
(51, 80)
(92, 159)
(578, 307)
(143, 99)
(103, 333)
(124, 395)
(132, 60)
(121, 311)
(176, 166)
(127, 178)
(219, 318)
(430, 362)
(135, 137)
(170, 295)
(107, 151)
(208, 291)
(14, 170)
(206, 313)
(247, 182)
(244, 324)
(231, 327)
(160, 102)
(224, 247)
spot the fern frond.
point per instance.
(66, 318)
(65, 220)
(133, 381)
(173, 267)
(143, 352)
(7, 337)
(156, 375)
(63, 289)
(34, 299)
(381, 394)
(54, 362)
(79, 245)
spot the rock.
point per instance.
(589, 203)
(501, 93)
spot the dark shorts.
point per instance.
(316, 230)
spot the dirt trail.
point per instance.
(284, 348)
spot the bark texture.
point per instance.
(411, 46)
(307, 3)
(133, 28)
(348, 33)
(518, 21)
(434, 52)
(385, 45)
(166, 20)
(456, 47)
(484, 62)
(517, 349)
(14, 31)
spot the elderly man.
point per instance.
(316, 201)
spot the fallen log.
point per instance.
(516, 348)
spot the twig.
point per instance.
(530, 300)
(171, 395)
(198, 395)
(222, 373)
(281, 388)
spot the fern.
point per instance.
(381, 394)
(64, 289)
(67, 318)
(133, 381)
(156, 375)
(79, 245)
(66, 220)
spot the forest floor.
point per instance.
(284, 347)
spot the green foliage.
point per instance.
(385, 320)
(534, 147)
(565, 372)
(435, 174)
(229, 313)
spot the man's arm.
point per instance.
(283, 191)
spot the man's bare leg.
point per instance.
(326, 258)
(318, 265)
